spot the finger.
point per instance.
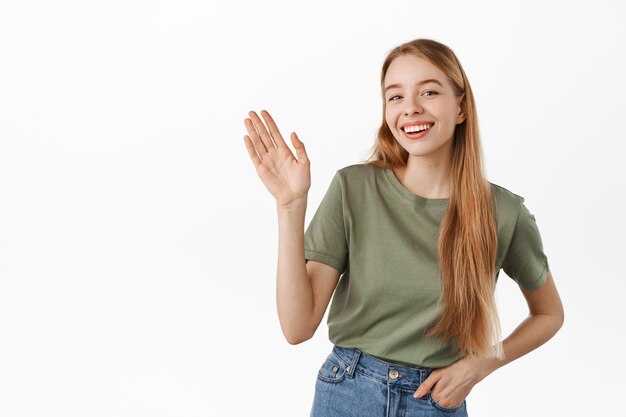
(274, 132)
(254, 137)
(252, 152)
(426, 386)
(300, 151)
(263, 133)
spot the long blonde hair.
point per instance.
(467, 237)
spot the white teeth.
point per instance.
(418, 128)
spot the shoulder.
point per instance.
(500, 191)
(507, 202)
(358, 174)
(358, 170)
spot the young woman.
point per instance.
(418, 236)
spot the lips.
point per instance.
(419, 135)
(418, 124)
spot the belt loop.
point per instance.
(352, 366)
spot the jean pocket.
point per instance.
(332, 370)
(441, 407)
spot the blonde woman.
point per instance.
(409, 244)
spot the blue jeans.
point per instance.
(353, 383)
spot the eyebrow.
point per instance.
(430, 80)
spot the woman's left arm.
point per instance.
(545, 318)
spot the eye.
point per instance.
(425, 92)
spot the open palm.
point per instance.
(288, 179)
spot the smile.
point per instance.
(417, 132)
(417, 128)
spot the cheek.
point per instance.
(390, 118)
(448, 111)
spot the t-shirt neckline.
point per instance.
(409, 195)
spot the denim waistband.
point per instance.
(387, 372)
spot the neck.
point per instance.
(427, 176)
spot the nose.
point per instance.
(412, 106)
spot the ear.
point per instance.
(460, 118)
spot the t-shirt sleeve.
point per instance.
(325, 237)
(525, 262)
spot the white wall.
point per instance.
(138, 247)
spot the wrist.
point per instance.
(295, 205)
(483, 366)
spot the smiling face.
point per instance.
(411, 101)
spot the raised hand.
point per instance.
(288, 179)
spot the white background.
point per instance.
(138, 246)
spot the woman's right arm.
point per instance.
(303, 289)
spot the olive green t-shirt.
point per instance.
(383, 240)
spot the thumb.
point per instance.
(426, 386)
(299, 146)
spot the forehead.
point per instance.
(410, 69)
